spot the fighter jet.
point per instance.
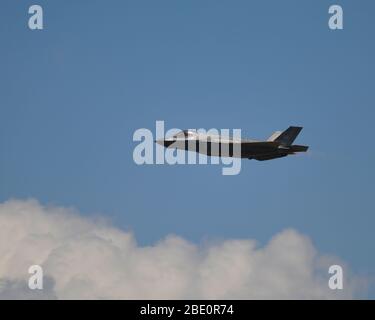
(278, 145)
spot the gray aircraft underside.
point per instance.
(278, 144)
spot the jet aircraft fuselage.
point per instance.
(277, 146)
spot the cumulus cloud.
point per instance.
(87, 259)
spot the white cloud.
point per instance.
(82, 258)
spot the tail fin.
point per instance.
(287, 137)
(274, 136)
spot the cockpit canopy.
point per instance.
(185, 134)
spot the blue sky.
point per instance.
(73, 94)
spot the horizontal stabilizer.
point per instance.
(297, 148)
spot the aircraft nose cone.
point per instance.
(164, 143)
(160, 141)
